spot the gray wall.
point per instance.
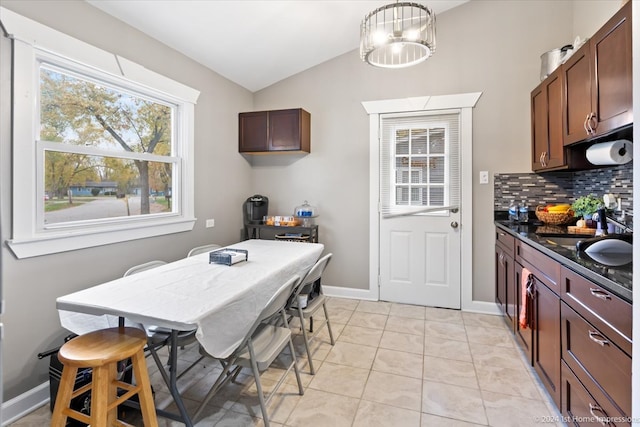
(32, 285)
(488, 46)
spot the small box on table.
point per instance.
(228, 256)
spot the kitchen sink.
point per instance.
(565, 242)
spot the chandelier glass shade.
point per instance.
(398, 35)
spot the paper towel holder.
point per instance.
(612, 152)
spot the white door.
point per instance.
(419, 253)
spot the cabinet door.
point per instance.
(579, 406)
(612, 90)
(524, 335)
(577, 105)
(284, 130)
(505, 290)
(546, 127)
(593, 357)
(546, 338)
(289, 130)
(501, 277)
(253, 132)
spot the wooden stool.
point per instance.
(102, 350)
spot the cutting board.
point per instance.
(572, 229)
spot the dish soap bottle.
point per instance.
(523, 212)
(513, 211)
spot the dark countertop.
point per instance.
(618, 280)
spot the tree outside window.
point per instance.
(97, 128)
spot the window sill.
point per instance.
(63, 242)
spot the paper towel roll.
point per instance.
(611, 153)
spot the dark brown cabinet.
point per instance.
(578, 334)
(524, 333)
(596, 345)
(541, 339)
(275, 131)
(601, 366)
(586, 97)
(598, 82)
(546, 337)
(505, 278)
(581, 409)
(546, 124)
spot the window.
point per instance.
(102, 147)
(420, 163)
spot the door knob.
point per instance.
(454, 224)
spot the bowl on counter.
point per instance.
(555, 218)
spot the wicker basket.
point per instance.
(554, 218)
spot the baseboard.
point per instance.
(27, 402)
(482, 307)
(351, 293)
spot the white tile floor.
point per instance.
(392, 365)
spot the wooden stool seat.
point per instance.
(102, 350)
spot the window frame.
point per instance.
(393, 185)
(34, 43)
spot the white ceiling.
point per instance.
(254, 43)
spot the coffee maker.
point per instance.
(253, 210)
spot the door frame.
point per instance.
(464, 102)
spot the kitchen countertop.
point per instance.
(618, 279)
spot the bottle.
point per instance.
(513, 211)
(523, 212)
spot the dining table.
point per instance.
(220, 301)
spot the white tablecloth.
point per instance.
(221, 301)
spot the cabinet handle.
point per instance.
(595, 122)
(602, 419)
(501, 258)
(543, 158)
(590, 130)
(596, 337)
(531, 286)
(598, 293)
(584, 125)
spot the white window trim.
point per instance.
(32, 39)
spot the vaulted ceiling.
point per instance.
(254, 43)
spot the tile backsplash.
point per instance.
(553, 187)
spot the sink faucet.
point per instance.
(602, 219)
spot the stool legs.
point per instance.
(65, 390)
(104, 395)
(147, 405)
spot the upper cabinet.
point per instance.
(546, 124)
(275, 131)
(598, 79)
(588, 96)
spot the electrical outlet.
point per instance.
(210, 223)
(484, 177)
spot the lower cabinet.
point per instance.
(524, 334)
(581, 408)
(577, 336)
(505, 287)
(546, 338)
(597, 362)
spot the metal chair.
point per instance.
(294, 309)
(158, 337)
(261, 346)
(202, 249)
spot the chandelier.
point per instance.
(398, 35)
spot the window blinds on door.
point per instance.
(419, 163)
